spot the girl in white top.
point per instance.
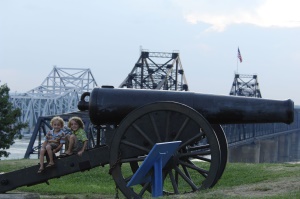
(54, 140)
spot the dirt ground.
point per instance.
(261, 190)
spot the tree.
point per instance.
(9, 125)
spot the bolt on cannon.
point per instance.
(143, 118)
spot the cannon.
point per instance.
(142, 118)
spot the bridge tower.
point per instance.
(59, 93)
(157, 70)
(245, 85)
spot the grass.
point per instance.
(239, 180)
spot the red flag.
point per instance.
(239, 55)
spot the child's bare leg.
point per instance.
(42, 154)
(71, 139)
(50, 154)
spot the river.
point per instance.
(18, 150)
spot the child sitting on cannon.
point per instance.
(77, 141)
(53, 142)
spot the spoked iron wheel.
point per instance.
(223, 149)
(194, 166)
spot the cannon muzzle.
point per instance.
(111, 105)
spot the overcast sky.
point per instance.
(106, 37)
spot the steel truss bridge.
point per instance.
(245, 85)
(157, 70)
(60, 92)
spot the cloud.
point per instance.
(221, 14)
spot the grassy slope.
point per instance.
(239, 180)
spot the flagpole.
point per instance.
(237, 65)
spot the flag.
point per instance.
(239, 55)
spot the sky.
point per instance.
(106, 37)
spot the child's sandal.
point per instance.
(50, 165)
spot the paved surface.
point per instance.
(20, 196)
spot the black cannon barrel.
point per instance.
(111, 105)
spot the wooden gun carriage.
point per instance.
(143, 118)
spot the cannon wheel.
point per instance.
(165, 122)
(223, 149)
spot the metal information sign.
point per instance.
(156, 159)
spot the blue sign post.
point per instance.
(156, 159)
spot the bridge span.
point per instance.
(61, 90)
